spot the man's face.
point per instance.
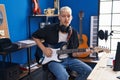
(65, 18)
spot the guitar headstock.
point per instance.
(101, 49)
(81, 14)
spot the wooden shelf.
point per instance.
(46, 15)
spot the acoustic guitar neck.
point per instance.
(81, 14)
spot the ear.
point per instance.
(59, 16)
(71, 17)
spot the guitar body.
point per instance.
(83, 44)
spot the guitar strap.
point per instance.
(69, 33)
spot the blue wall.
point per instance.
(17, 12)
(89, 7)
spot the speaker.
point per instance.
(117, 59)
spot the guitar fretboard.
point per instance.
(67, 51)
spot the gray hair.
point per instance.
(65, 8)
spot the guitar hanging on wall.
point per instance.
(36, 9)
(82, 37)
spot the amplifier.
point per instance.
(9, 71)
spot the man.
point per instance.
(62, 32)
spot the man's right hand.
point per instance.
(48, 52)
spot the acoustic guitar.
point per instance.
(82, 38)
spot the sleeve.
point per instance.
(40, 34)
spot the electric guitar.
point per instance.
(36, 9)
(82, 37)
(60, 49)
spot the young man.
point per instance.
(62, 32)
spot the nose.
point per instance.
(66, 18)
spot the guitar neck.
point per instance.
(81, 18)
(80, 29)
(68, 51)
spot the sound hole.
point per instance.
(80, 41)
(1, 17)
